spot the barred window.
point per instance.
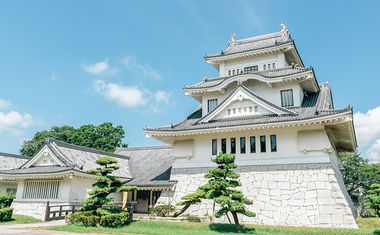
(211, 104)
(252, 141)
(233, 145)
(251, 69)
(242, 145)
(214, 146)
(224, 145)
(287, 98)
(273, 143)
(41, 189)
(263, 147)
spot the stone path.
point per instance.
(30, 229)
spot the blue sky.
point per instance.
(79, 62)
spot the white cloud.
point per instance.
(145, 69)
(14, 118)
(4, 104)
(161, 97)
(97, 68)
(126, 96)
(367, 127)
(132, 96)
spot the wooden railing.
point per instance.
(57, 212)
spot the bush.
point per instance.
(6, 200)
(114, 220)
(6, 214)
(101, 217)
(162, 210)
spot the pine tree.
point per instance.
(105, 185)
(221, 188)
(190, 199)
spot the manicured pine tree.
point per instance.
(221, 188)
(105, 185)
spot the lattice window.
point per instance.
(41, 189)
(287, 98)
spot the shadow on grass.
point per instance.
(376, 232)
(230, 228)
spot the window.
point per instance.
(287, 98)
(224, 145)
(233, 145)
(211, 104)
(252, 142)
(273, 65)
(214, 144)
(273, 143)
(264, 67)
(263, 147)
(242, 144)
(38, 189)
(229, 72)
(268, 66)
(237, 71)
(251, 69)
(233, 72)
(11, 191)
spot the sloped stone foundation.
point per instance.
(291, 195)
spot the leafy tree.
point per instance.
(373, 199)
(105, 185)
(221, 188)
(103, 137)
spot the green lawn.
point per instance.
(21, 219)
(185, 228)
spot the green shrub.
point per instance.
(114, 220)
(162, 210)
(6, 200)
(101, 217)
(6, 214)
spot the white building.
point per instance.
(268, 109)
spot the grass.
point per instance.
(367, 226)
(21, 219)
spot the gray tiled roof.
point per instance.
(11, 161)
(272, 73)
(255, 43)
(76, 158)
(314, 105)
(150, 166)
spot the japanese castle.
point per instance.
(266, 107)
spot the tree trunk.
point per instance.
(178, 213)
(236, 220)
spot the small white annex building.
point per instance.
(268, 109)
(57, 174)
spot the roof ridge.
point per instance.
(259, 37)
(13, 155)
(85, 149)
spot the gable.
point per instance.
(242, 106)
(45, 157)
(244, 102)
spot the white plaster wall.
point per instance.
(278, 58)
(288, 147)
(79, 188)
(290, 195)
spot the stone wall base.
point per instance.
(33, 209)
(310, 195)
